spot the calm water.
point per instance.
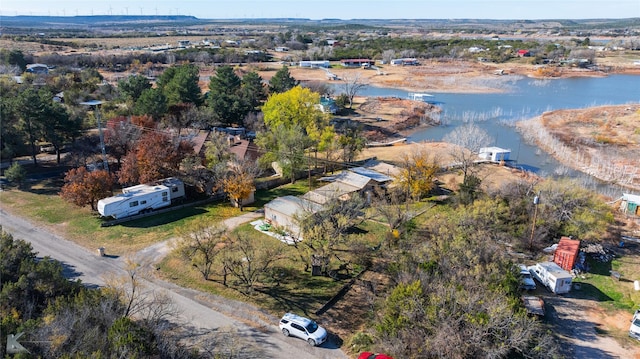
(525, 98)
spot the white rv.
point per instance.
(142, 198)
(552, 276)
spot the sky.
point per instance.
(334, 9)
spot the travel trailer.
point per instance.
(142, 198)
(552, 276)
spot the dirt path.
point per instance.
(578, 322)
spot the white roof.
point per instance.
(331, 191)
(383, 167)
(374, 175)
(353, 179)
(633, 198)
(296, 318)
(494, 149)
(555, 269)
(292, 205)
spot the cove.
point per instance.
(523, 98)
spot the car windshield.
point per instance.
(636, 322)
(312, 327)
(526, 275)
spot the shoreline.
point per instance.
(599, 163)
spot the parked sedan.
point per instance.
(526, 281)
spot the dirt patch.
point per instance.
(588, 330)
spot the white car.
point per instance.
(634, 329)
(526, 281)
(304, 328)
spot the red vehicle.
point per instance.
(367, 355)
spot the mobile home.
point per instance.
(552, 276)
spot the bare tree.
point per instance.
(388, 55)
(353, 85)
(139, 302)
(249, 259)
(468, 140)
(201, 244)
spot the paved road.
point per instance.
(202, 313)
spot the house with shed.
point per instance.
(630, 204)
(356, 180)
(284, 211)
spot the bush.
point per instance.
(16, 174)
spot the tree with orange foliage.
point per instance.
(155, 156)
(86, 188)
(238, 183)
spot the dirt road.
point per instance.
(575, 322)
(203, 315)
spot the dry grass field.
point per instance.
(602, 141)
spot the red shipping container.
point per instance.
(566, 254)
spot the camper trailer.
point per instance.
(552, 276)
(142, 198)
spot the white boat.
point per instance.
(419, 96)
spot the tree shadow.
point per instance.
(164, 218)
(69, 271)
(587, 291)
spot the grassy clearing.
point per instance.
(288, 288)
(611, 293)
(42, 205)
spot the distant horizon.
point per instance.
(335, 9)
(323, 19)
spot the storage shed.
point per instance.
(566, 253)
(494, 154)
(630, 204)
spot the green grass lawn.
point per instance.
(611, 293)
(42, 205)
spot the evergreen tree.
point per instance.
(225, 97)
(282, 81)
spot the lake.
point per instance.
(525, 98)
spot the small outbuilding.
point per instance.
(494, 154)
(630, 204)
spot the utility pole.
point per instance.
(536, 201)
(95, 105)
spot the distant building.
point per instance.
(281, 49)
(404, 62)
(39, 69)
(357, 62)
(314, 64)
(183, 43)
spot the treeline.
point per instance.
(60, 318)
